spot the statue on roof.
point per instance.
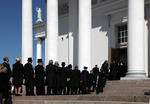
(39, 15)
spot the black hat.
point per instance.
(85, 67)
(63, 63)
(29, 59)
(40, 60)
(69, 66)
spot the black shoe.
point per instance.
(27, 94)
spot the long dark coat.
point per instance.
(9, 72)
(18, 73)
(63, 76)
(50, 75)
(39, 75)
(4, 81)
(28, 73)
(76, 77)
(84, 76)
(95, 73)
(58, 77)
(68, 76)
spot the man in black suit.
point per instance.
(39, 78)
(68, 78)
(95, 71)
(63, 77)
(6, 64)
(84, 78)
(75, 82)
(50, 77)
(29, 77)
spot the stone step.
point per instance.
(136, 89)
(124, 93)
(99, 97)
(72, 102)
(115, 92)
(134, 85)
(128, 85)
(129, 82)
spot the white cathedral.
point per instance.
(88, 32)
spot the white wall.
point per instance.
(99, 40)
(63, 43)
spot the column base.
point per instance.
(135, 75)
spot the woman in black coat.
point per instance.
(18, 76)
(4, 83)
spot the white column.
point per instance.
(52, 30)
(146, 47)
(27, 38)
(136, 39)
(46, 43)
(39, 48)
(73, 32)
(85, 34)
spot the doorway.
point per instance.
(119, 55)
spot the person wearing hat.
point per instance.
(39, 78)
(84, 78)
(29, 77)
(17, 74)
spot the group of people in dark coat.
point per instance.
(117, 70)
(58, 79)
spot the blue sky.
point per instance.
(11, 28)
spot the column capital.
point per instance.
(38, 39)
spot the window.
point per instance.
(122, 34)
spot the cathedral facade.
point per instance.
(88, 32)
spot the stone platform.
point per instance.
(115, 92)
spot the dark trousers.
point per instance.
(50, 90)
(74, 90)
(40, 90)
(30, 88)
(68, 88)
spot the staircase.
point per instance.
(115, 92)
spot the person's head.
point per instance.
(63, 64)
(18, 59)
(51, 62)
(3, 69)
(40, 62)
(69, 66)
(85, 68)
(76, 67)
(106, 62)
(6, 59)
(91, 71)
(30, 60)
(95, 65)
(56, 63)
